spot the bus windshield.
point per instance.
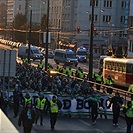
(81, 53)
(72, 56)
(36, 51)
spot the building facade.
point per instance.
(109, 20)
(14, 7)
(38, 7)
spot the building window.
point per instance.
(121, 34)
(95, 17)
(122, 19)
(123, 4)
(106, 18)
(107, 3)
(19, 7)
(95, 4)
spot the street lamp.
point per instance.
(47, 37)
(29, 42)
(91, 42)
(41, 5)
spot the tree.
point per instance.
(3, 15)
(19, 21)
(43, 22)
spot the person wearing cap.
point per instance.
(54, 106)
(116, 103)
(40, 107)
(27, 99)
(27, 118)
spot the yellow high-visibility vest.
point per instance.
(40, 103)
(53, 107)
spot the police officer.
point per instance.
(25, 61)
(69, 71)
(40, 65)
(78, 72)
(50, 67)
(128, 111)
(99, 79)
(40, 107)
(109, 82)
(130, 89)
(54, 106)
(64, 69)
(81, 74)
(27, 99)
(57, 68)
(117, 103)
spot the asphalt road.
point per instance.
(84, 66)
(66, 124)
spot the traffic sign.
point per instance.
(7, 63)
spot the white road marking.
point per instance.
(84, 122)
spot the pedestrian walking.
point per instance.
(16, 101)
(103, 103)
(128, 111)
(93, 102)
(27, 118)
(54, 106)
(27, 99)
(40, 108)
(116, 103)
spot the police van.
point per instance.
(81, 54)
(67, 57)
(34, 52)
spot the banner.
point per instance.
(69, 105)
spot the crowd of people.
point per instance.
(37, 80)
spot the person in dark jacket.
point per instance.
(54, 106)
(3, 103)
(93, 102)
(27, 118)
(16, 101)
(117, 104)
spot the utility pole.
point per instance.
(47, 37)
(91, 42)
(29, 36)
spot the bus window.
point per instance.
(124, 68)
(129, 68)
(112, 65)
(115, 66)
(120, 66)
(107, 65)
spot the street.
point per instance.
(75, 125)
(84, 66)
